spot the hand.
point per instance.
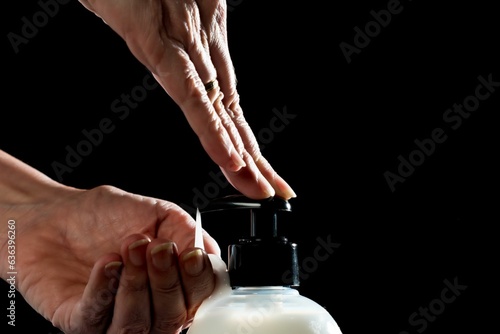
(104, 260)
(184, 44)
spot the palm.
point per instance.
(79, 233)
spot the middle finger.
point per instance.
(168, 306)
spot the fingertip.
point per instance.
(111, 269)
(133, 248)
(279, 185)
(283, 188)
(267, 189)
(194, 261)
(105, 265)
(197, 276)
(96, 306)
(211, 245)
(263, 190)
(249, 183)
(162, 255)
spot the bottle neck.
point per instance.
(262, 290)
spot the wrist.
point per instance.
(24, 193)
(21, 184)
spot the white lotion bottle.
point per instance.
(256, 293)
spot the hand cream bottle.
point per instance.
(256, 293)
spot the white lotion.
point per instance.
(263, 310)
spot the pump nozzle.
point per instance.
(263, 258)
(263, 212)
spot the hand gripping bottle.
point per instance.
(257, 292)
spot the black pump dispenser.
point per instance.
(263, 258)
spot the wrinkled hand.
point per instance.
(107, 261)
(184, 44)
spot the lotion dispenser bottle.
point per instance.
(256, 293)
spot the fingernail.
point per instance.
(193, 262)
(162, 255)
(285, 188)
(112, 268)
(236, 163)
(136, 254)
(266, 188)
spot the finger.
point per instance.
(246, 177)
(213, 15)
(184, 72)
(248, 180)
(179, 226)
(188, 92)
(168, 306)
(169, 39)
(132, 307)
(212, 130)
(281, 187)
(95, 310)
(198, 278)
(219, 127)
(165, 37)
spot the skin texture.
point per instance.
(184, 44)
(101, 260)
(104, 260)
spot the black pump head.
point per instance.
(263, 258)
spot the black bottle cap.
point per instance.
(263, 258)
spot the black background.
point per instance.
(351, 122)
